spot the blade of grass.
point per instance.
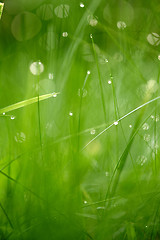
(27, 102)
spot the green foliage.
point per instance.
(79, 120)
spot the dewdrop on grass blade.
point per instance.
(81, 5)
(13, 117)
(88, 72)
(71, 114)
(50, 76)
(109, 82)
(145, 126)
(93, 131)
(121, 25)
(159, 57)
(130, 126)
(36, 68)
(54, 94)
(65, 34)
(116, 123)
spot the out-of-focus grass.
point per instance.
(83, 164)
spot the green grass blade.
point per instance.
(27, 102)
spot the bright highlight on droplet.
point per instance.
(81, 5)
(50, 75)
(88, 72)
(93, 131)
(159, 57)
(71, 114)
(85, 202)
(36, 68)
(20, 137)
(54, 94)
(4, 113)
(65, 34)
(130, 126)
(92, 21)
(121, 25)
(153, 39)
(145, 126)
(116, 123)
(12, 117)
(109, 82)
(106, 60)
(91, 36)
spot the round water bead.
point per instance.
(153, 39)
(20, 137)
(92, 21)
(121, 25)
(62, 11)
(141, 160)
(145, 126)
(36, 68)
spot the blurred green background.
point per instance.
(70, 167)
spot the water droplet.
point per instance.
(107, 174)
(109, 82)
(91, 36)
(20, 137)
(4, 113)
(147, 137)
(93, 131)
(141, 160)
(146, 226)
(121, 25)
(85, 202)
(84, 93)
(81, 5)
(62, 11)
(65, 34)
(145, 126)
(153, 39)
(100, 208)
(88, 72)
(152, 117)
(36, 68)
(50, 75)
(116, 123)
(92, 20)
(159, 57)
(13, 117)
(106, 60)
(130, 126)
(54, 94)
(70, 114)
(157, 118)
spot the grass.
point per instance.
(79, 120)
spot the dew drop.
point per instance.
(147, 137)
(83, 92)
(36, 68)
(54, 94)
(109, 82)
(62, 11)
(153, 39)
(106, 60)
(20, 137)
(121, 25)
(85, 202)
(116, 123)
(130, 126)
(91, 36)
(93, 131)
(92, 20)
(50, 75)
(107, 174)
(71, 114)
(4, 113)
(159, 57)
(141, 160)
(145, 126)
(81, 5)
(65, 34)
(13, 117)
(100, 208)
(88, 72)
